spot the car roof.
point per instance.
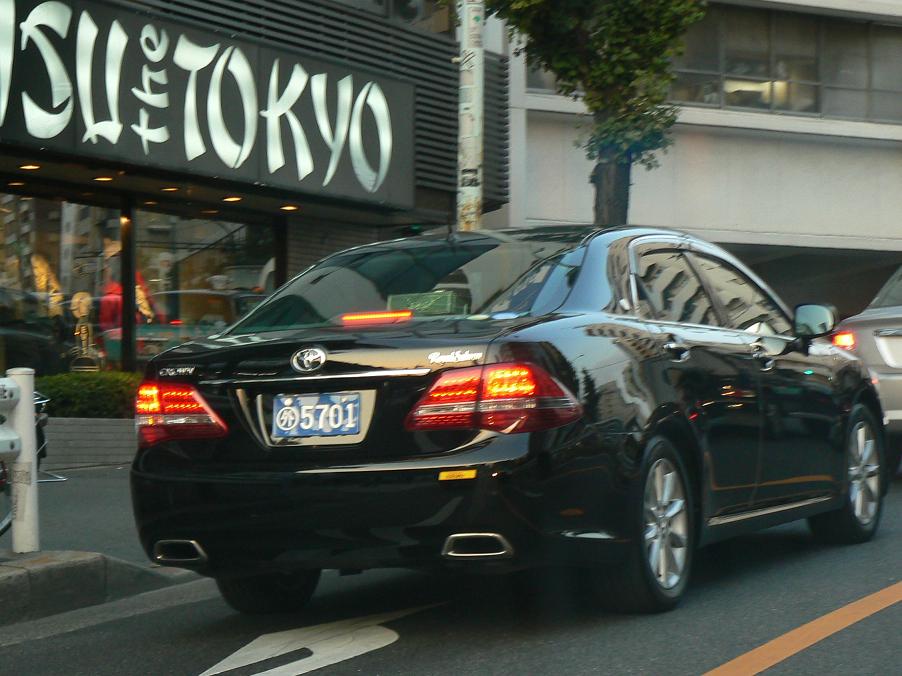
(571, 232)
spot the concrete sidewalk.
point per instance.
(45, 583)
(90, 550)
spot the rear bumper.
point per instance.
(362, 518)
(889, 387)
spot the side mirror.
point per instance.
(813, 321)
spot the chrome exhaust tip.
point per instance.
(179, 552)
(477, 546)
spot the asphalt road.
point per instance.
(744, 594)
(92, 512)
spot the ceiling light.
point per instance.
(29, 167)
(150, 203)
(231, 198)
(170, 188)
(289, 207)
(210, 212)
(16, 184)
(103, 179)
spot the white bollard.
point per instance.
(25, 468)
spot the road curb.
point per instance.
(46, 583)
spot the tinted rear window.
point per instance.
(431, 277)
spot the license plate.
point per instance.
(316, 415)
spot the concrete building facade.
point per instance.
(788, 148)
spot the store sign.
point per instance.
(92, 80)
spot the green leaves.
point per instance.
(107, 394)
(614, 54)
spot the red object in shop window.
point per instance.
(110, 313)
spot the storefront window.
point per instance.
(60, 267)
(195, 277)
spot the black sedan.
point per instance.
(608, 400)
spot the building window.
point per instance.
(779, 62)
(540, 80)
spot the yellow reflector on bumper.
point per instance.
(457, 474)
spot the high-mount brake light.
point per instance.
(386, 317)
(505, 398)
(844, 339)
(169, 411)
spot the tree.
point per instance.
(616, 56)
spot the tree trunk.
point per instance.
(612, 191)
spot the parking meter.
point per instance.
(10, 441)
(18, 450)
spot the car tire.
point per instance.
(656, 571)
(857, 519)
(269, 593)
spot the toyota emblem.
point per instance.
(308, 359)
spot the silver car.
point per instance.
(875, 337)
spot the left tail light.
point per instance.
(505, 398)
(170, 411)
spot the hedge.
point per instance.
(106, 394)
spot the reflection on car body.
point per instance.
(603, 399)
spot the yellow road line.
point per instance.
(785, 646)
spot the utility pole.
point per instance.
(470, 114)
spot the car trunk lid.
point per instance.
(375, 374)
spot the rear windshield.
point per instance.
(890, 294)
(432, 278)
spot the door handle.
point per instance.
(678, 352)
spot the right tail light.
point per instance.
(844, 339)
(505, 398)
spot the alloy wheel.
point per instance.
(864, 474)
(666, 524)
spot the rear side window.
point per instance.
(672, 291)
(748, 307)
(890, 294)
(431, 277)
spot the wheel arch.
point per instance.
(867, 396)
(670, 423)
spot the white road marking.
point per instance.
(149, 602)
(329, 644)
